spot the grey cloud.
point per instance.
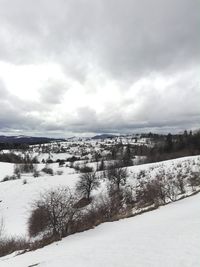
(53, 92)
(174, 109)
(152, 36)
(14, 113)
(124, 40)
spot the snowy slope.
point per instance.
(167, 237)
(6, 169)
(16, 197)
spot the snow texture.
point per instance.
(167, 237)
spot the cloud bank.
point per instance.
(82, 67)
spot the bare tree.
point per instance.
(87, 183)
(101, 166)
(194, 180)
(151, 192)
(117, 175)
(54, 211)
(180, 183)
(127, 157)
(171, 190)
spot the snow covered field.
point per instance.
(6, 169)
(16, 197)
(167, 237)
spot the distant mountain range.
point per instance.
(22, 139)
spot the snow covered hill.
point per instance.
(167, 237)
(16, 196)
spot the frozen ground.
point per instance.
(167, 237)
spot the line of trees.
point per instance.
(174, 146)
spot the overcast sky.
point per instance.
(81, 67)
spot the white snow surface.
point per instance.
(167, 237)
(6, 169)
(16, 198)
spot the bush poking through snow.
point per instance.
(194, 180)
(59, 172)
(180, 183)
(48, 170)
(38, 221)
(24, 181)
(9, 245)
(17, 172)
(53, 212)
(82, 169)
(9, 178)
(36, 173)
(27, 167)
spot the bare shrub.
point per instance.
(171, 190)
(98, 212)
(142, 174)
(129, 196)
(116, 201)
(49, 161)
(9, 245)
(47, 170)
(83, 202)
(42, 242)
(61, 162)
(194, 180)
(11, 157)
(83, 169)
(163, 188)
(75, 166)
(26, 167)
(59, 172)
(24, 181)
(151, 192)
(6, 178)
(53, 212)
(36, 173)
(9, 178)
(180, 183)
(38, 221)
(101, 166)
(17, 172)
